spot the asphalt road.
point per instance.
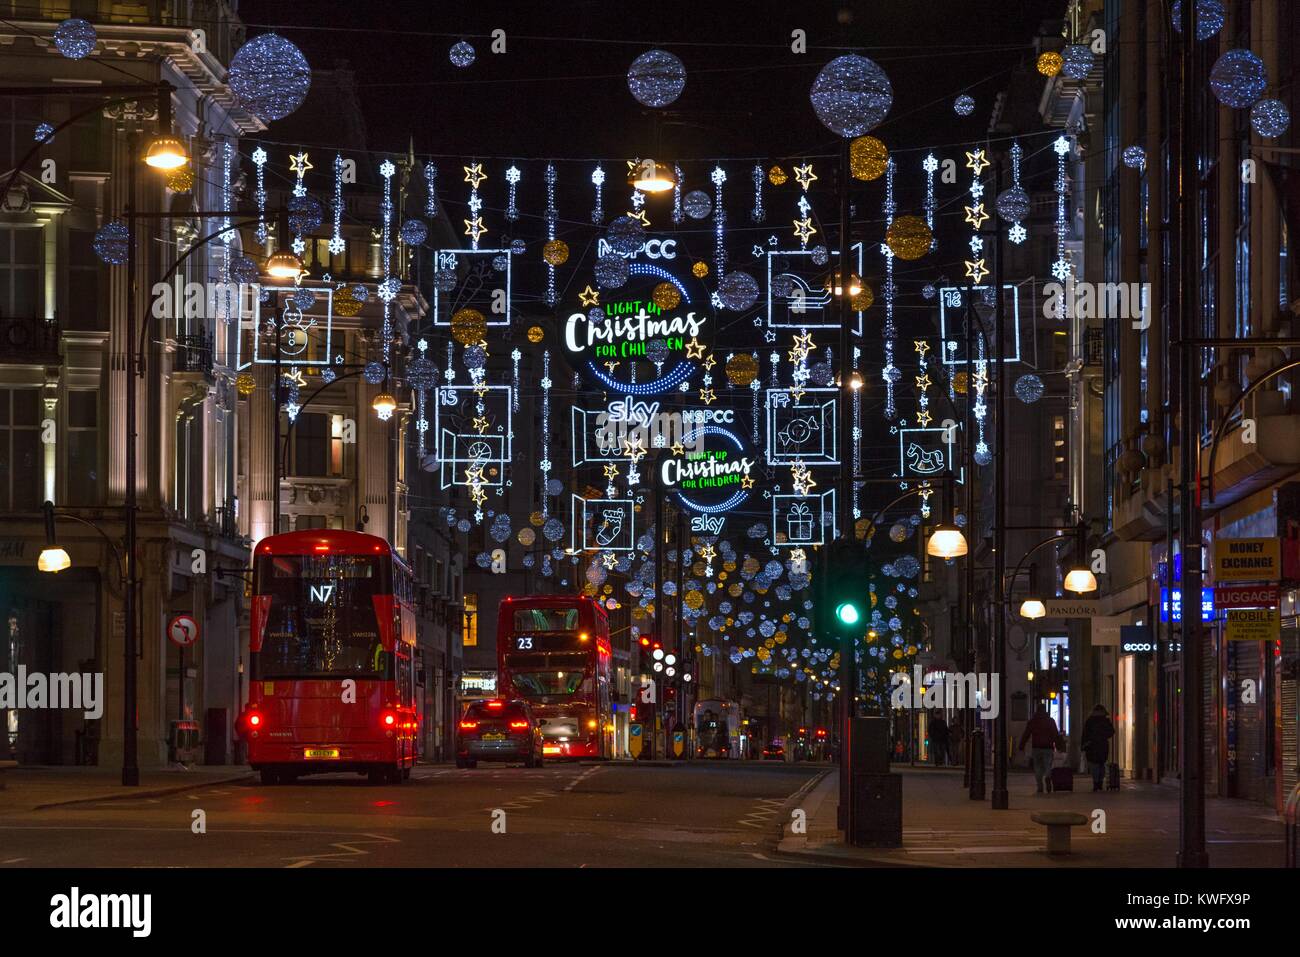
(564, 815)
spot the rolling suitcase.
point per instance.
(1062, 779)
(1112, 777)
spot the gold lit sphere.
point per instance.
(556, 252)
(537, 519)
(181, 180)
(468, 326)
(959, 383)
(862, 301)
(245, 383)
(526, 537)
(868, 158)
(742, 369)
(666, 296)
(700, 269)
(694, 599)
(777, 176)
(535, 334)
(345, 304)
(908, 237)
(1049, 63)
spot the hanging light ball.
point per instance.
(360, 292)
(611, 271)
(181, 179)
(861, 300)
(738, 291)
(982, 457)
(1029, 388)
(964, 105)
(345, 303)
(666, 296)
(1238, 79)
(75, 38)
(475, 356)
(959, 381)
(851, 95)
(696, 204)
(461, 54)
(269, 77)
(245, 383)
(421, 373)
(657, 351)
(742, 369)
(536, 334)
(820, 374)
(777, 176)
(928, 291)
(1269, 118)
(1050, 63)
(819, 255)
(305, 214)
(1013, 204)
(112, 242)
(243, 269)
(625, 235)
(1078, 59)
(700, 269)
(414, 232)
(526, 537)
(1209, 17)
(1135, 157)
(556, 252)
(468, 326)
(304, 299)
(908, 237)
(374, 373)
(868, 158)
(656, 78)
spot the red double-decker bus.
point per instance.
(554, 652)
(332, 671)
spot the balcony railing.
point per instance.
(29, 339)
(1094, 346)
(194, 354)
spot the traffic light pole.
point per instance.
(848, 670)
(1000, 797)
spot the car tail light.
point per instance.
(518, 725)
(496, 704)
(468, 725)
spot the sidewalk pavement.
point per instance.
(37, 788)
(943, 827)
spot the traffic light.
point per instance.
(846, 593)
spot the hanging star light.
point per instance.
(804, 176)
(975, 161)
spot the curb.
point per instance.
(143, 792)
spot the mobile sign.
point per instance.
(1253, 624)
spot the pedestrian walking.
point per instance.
(1043, 737)
(1097, 732)
(939, 739)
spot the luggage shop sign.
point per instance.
(1247, 560)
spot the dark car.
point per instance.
(774, 752)
(498, 730)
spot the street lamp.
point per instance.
(166, 153)
(284, 265)
(1080, 580)
(651, 177)
(946, 541)
(384, 405)
(1032, 609)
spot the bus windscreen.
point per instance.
(534, 620)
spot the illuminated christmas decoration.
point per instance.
(1061, 267)
(430, 190)
(738, 291)
(1209, 17)
(75, 38)
(964, 105)
(468, 326)
(1029, 388)
(851, 95)
(1078, 60)
(1238, 79)
(890, 372)
(112, 242)
(758, 214)
(598, 211)
(1049, 63)
(544, 465)
(656, 78)
(1135, 157)
(245, 383)
(552, 220)
(908, 237)
(269, 77)
(461, 54)
(1270, 118)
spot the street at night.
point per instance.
(447, 444)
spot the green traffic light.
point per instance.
(848, 613)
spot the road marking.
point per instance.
(13, 860)
(762, 816)
(347, 850)
(582, 777)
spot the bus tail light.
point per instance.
(591, 724)
(389, 721)
(254, 722)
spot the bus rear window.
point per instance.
(546, 619)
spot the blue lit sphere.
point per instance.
(475, 356)
(414, 232)
(1270, 118)
(1238, 79)
(656, 78)
(421, 373)
(851, 95)
(1135, 157)
(374, 373)
(1029, 389)
(327, 376)
(964, 105)
(112, 242)
(928, 291)
(820, 374)
(596, 314)
(304, 299)
(461, 54)
(360, 292)
(305, 214)
(625, 235)
(738, 291)
(1013, 204)
(75, 38)
(1209, 18)
(982, 457)
(43, 133)
(499, 262)
(697, 204)
(269, 77)
(445, 279)
(819, 256)
(243, 269)
(553, 529)
(1078, 59)
(554, 486)
(518, 247)
(610, 271)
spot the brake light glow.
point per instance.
(389, 719)
(496, 704)
(518, 725)
(322, 548)
(591, 723)
(468, 725)
(254, 720)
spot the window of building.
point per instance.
(87, 308)
(21, 457)
(470, 633)
(18, 119)
(82, 440)
(20, 272)
(1059, 465)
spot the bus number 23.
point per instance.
(524, 644)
